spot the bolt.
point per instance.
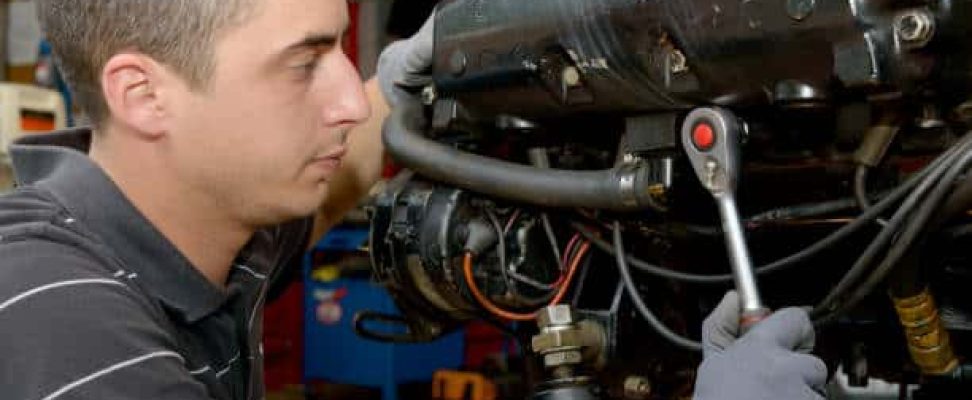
(557, 315)
(570, 76)
(429, 95)
(799, 10)
(678, 64)
(457, 63)
(964, 111)
(637, 387)
(914, 27)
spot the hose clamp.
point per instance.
(627, 188)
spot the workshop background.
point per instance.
(311, 349)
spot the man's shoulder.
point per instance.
(26, 205)
(65, 320)
(41, 266)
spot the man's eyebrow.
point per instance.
(314, 40)
(320, 39)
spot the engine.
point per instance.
(548, 181)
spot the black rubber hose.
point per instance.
(643, 309)
(618, 188)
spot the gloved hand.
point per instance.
(405, 66)
(770, 362)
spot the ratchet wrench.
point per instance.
(710, 137)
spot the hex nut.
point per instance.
(562, 358)
(557, 315)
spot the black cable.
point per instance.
(913, 228)
(804, 210)
(510, 286)
(860, 190)
(647, 267)
(860, 187)
(643, 309)
(531, 282)
(551, 237)
(883, 239)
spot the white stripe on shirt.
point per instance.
(111, 369)
(200, 370)
(252, 272)
(57, 285)
(229, 364)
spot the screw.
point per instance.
(570, 76)
(678, 64)
(637, 387)
(799, 10)
(457, 63)
(711, 167)
(429, 95)
(914, 27)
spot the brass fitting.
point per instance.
(928, 341)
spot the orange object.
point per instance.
(32, 123)
(467, 262)
(457, 385)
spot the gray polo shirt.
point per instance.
(96, 304)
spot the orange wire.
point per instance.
(467, 262)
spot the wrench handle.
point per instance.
(742, 267)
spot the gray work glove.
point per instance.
(770, 362)
(405, 66)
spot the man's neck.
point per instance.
(199, 229)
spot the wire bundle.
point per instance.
(916, 199)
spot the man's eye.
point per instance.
(308, 67)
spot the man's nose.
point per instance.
(348, 104)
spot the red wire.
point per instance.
(467, 262)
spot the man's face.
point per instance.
(263, 140)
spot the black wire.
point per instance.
(548, 229)
(860, 187)
(510, 286)
(934, 172)
(803, 210)
(643, 309)
(913, 228)
(860, 190)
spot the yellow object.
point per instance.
(457, 385)
(327, 273)
(928, 341)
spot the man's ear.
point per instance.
(133, 88)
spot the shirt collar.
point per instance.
(58, 163)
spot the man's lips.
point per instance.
(331, 160)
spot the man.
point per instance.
(139, 269)
(135, 256)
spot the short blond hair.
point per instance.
(180, 34)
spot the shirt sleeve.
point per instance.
(69, 333)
